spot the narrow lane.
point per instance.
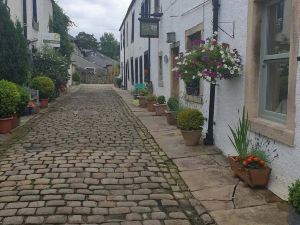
(90, 161)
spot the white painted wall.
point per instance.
(230, 95)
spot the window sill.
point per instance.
(273, 130)
(194, 99)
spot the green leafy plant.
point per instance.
(190, 119)
(294, 195)
(24, 99)
(173, 104)
(239, 138)
(9, 98)
(151, 98)
(76, 77)
(45, 86)
(118, 82)
(143, 92)
(161, 100)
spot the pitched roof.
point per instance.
(127, 13)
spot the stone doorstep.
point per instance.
(228, 200)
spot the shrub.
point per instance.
(24, 99)
(161, 100)
(294, 195)
(151, 98)
(173, 104)
(118, 82)
(143, 92)
(45, 86)
(9, 98)
(76, 77)
(190, 119)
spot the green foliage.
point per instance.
(9, 98)
(143, 92)
(52, 64)
(45, 86)
(239, 138)
(161, 100)
(173, 104)
(24, 99)
(190, 119)
(61, 24)
(151, 98)
(76, 77)
(294, 195)
(261, 154)
(110, 46)
(13, 49)
(87, 41)
(118, 82)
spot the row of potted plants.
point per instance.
(14, 100)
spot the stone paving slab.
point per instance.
(228, 200)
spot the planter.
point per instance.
(135, 96)
(150, 106)
(191, 138)
(14, 121)
(44, 103)
(160, 109)
(142, 101)
(171, 118)
(294, 217)
(253, 177)
(5, 125)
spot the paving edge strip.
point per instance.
(201, 211)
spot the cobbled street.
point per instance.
(89, 160)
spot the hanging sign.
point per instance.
(51, 39)
(149, 27)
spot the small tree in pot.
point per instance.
(294, 199)
(151, 100)
(46, 89)
(9, 98)
(190, 121)
(142, 95)
(173, 107)
(21, 106)
(161, 106)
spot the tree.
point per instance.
(110, 46)
(13, 49)
(87, 41)
(61, 24)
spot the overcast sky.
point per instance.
(95, 16)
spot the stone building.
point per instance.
(266, 34)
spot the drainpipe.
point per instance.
(25, 18)
(209, 140)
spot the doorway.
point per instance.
(174, 77)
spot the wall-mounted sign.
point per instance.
(51, 39)
(149, 27)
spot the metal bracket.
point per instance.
(233, 29)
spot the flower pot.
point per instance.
(142, 101)
(171, 118)
(294, 217)
(5, 125)
(44, 103)
(160, 109)
(14, 121)
(191, 138)
(253, 177)
(150, 106)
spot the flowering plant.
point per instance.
(209, 60)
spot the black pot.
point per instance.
(294, 218)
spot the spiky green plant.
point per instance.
(239, 138)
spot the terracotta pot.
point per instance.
(5, 125)
(44, 103)
(294, 217)
(14, 121)
(171, 118)
(160, 109)
(191, 138)
(150, 106)
(253, 177)
(142, 101)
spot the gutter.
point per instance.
(127, 13)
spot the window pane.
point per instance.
(277, 87)
(279, 16)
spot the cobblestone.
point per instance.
(89, 160)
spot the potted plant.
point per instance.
(161, 106)
(9, 98)
(21, 106)
(249, 166)
(173, 106)
(190, 122)
(46, 89)
(151, 100)
(142, 98)
(76, 78)
(294, 199)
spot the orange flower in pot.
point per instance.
(161, 106)
(46, 89)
